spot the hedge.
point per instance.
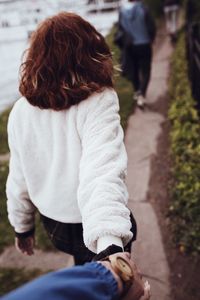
(156, 7)
(185, 150)
(192, 9)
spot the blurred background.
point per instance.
(18, 18)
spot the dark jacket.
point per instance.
(124, 36)
(151, 26)
(123, 39)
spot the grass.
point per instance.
(122, 85)
(12, 278)
(7, 235)
(3, 132)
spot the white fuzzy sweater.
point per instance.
(71, 166)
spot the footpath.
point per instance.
(144, 128)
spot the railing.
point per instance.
(93, 5)
(193, 52)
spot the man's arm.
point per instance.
(92, 281)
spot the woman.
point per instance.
(67, 154)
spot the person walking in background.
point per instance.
(171, 9)
(138, 32)
(115, 278)
(68, 158)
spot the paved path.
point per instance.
(144, 127)
(44, 261)
(4, 157)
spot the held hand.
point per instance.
(139, 289)
(147, 293)
(133, 295)
(25, 245)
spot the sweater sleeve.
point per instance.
(21, 211)
(102, 193)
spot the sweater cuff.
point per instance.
(112, 249)
(105, 241)
(25, 234)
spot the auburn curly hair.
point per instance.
(67, 61)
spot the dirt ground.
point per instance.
(185, 270)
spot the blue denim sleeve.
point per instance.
(91, 281)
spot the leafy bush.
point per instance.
(185, 149)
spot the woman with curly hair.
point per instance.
(68, 159)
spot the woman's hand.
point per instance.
(147, 293)
(139, 290)
(25, 245)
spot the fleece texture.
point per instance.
(71, 166)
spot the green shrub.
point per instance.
(3, 132)
(185, 149)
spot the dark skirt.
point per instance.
(68, 237)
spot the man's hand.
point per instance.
(25, 245)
